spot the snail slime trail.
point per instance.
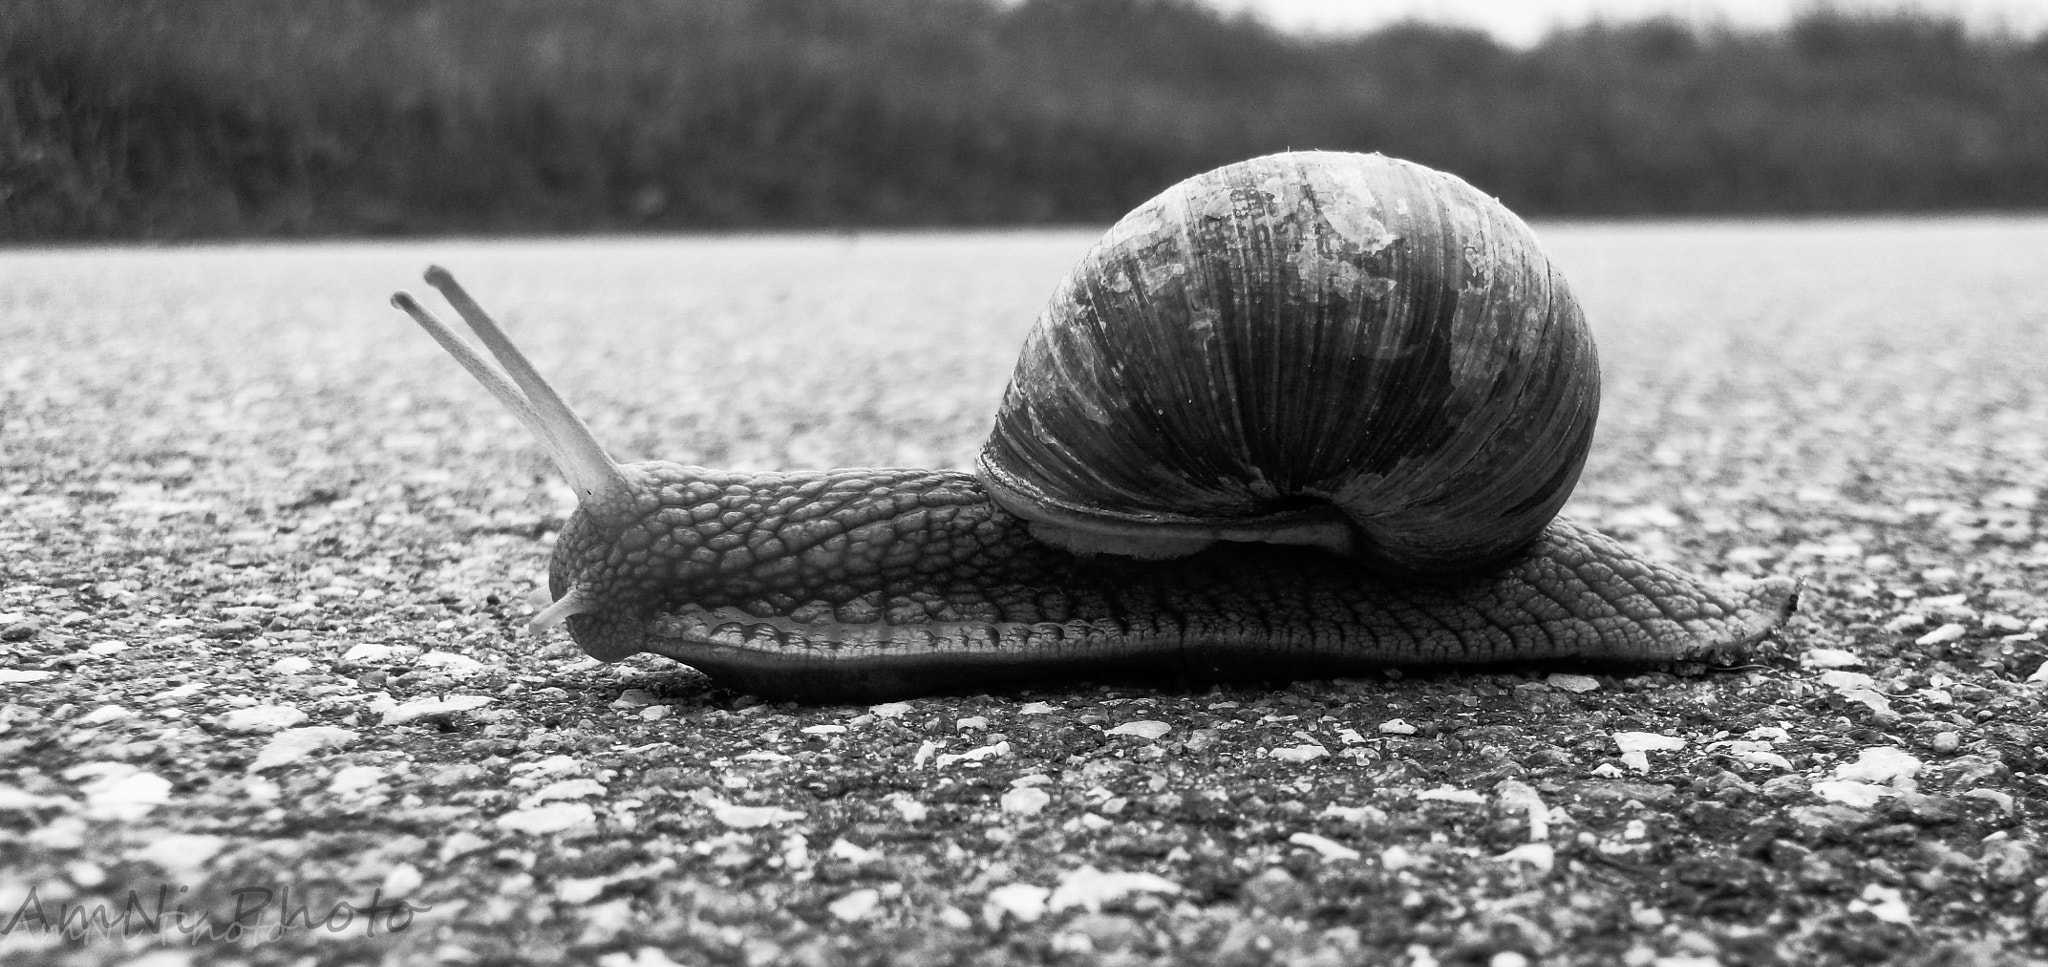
(1303, 415)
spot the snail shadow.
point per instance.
(1220, 674)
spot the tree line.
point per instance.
(126, 119)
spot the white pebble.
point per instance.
(1576, 684)
(420, 708)
(1830, 658)
(566, 789)
(1647, 742)
(580, 891)
(534, 773)
(259, 789)
(1329, 848)
(1636, 746)
(125, 795)
(1396, 727)
(855, 906)
(559, 817)
(1144, 729)
(1298, 753)
(749, 817)
(1874, 701)
(975, 755)
(1753, 753)
(2004, 623)
(1536, 856)
(1025, 801)
(183, 855)
(2002, 800)
(644, 957)
(1945, 633)
(260, 719)
(355, 779)
(368, 653)
(20, 800)
(291, 665)
(1882, 763)
(1515, 794)
(635, 698)
(1884, 903)
(401, 881)
(291, 745)
(1850, 793)
(1089, 888)
(461, 843)
(1397, 858)
(955, 918)
(852, 853)
(1451, 794)
(1359, 815)
(1022, 902)
(105, 714)
(1911, 619)
(451, 663)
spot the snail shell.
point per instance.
(1341, 351)
(1275, 339)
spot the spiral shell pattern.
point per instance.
(1304, 330)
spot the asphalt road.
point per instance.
(264, 553)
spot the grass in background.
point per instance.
(164, 118)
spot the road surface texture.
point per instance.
(265, 555)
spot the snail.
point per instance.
(1300, 416)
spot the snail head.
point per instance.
(617, 505)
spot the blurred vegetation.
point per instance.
(174, 118)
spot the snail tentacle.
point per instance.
(569, 442)
(577, 601)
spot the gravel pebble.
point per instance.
(423, 708)
(291, 745)
(1027, 801)
(557, 817)
(1145, 729)
(260, 719)
(1091, 889)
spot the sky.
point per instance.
(1523, 22)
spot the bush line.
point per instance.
(141, 119)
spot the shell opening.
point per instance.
(1153, 539)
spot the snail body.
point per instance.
(1303, 415)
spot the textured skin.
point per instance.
(869, 584)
